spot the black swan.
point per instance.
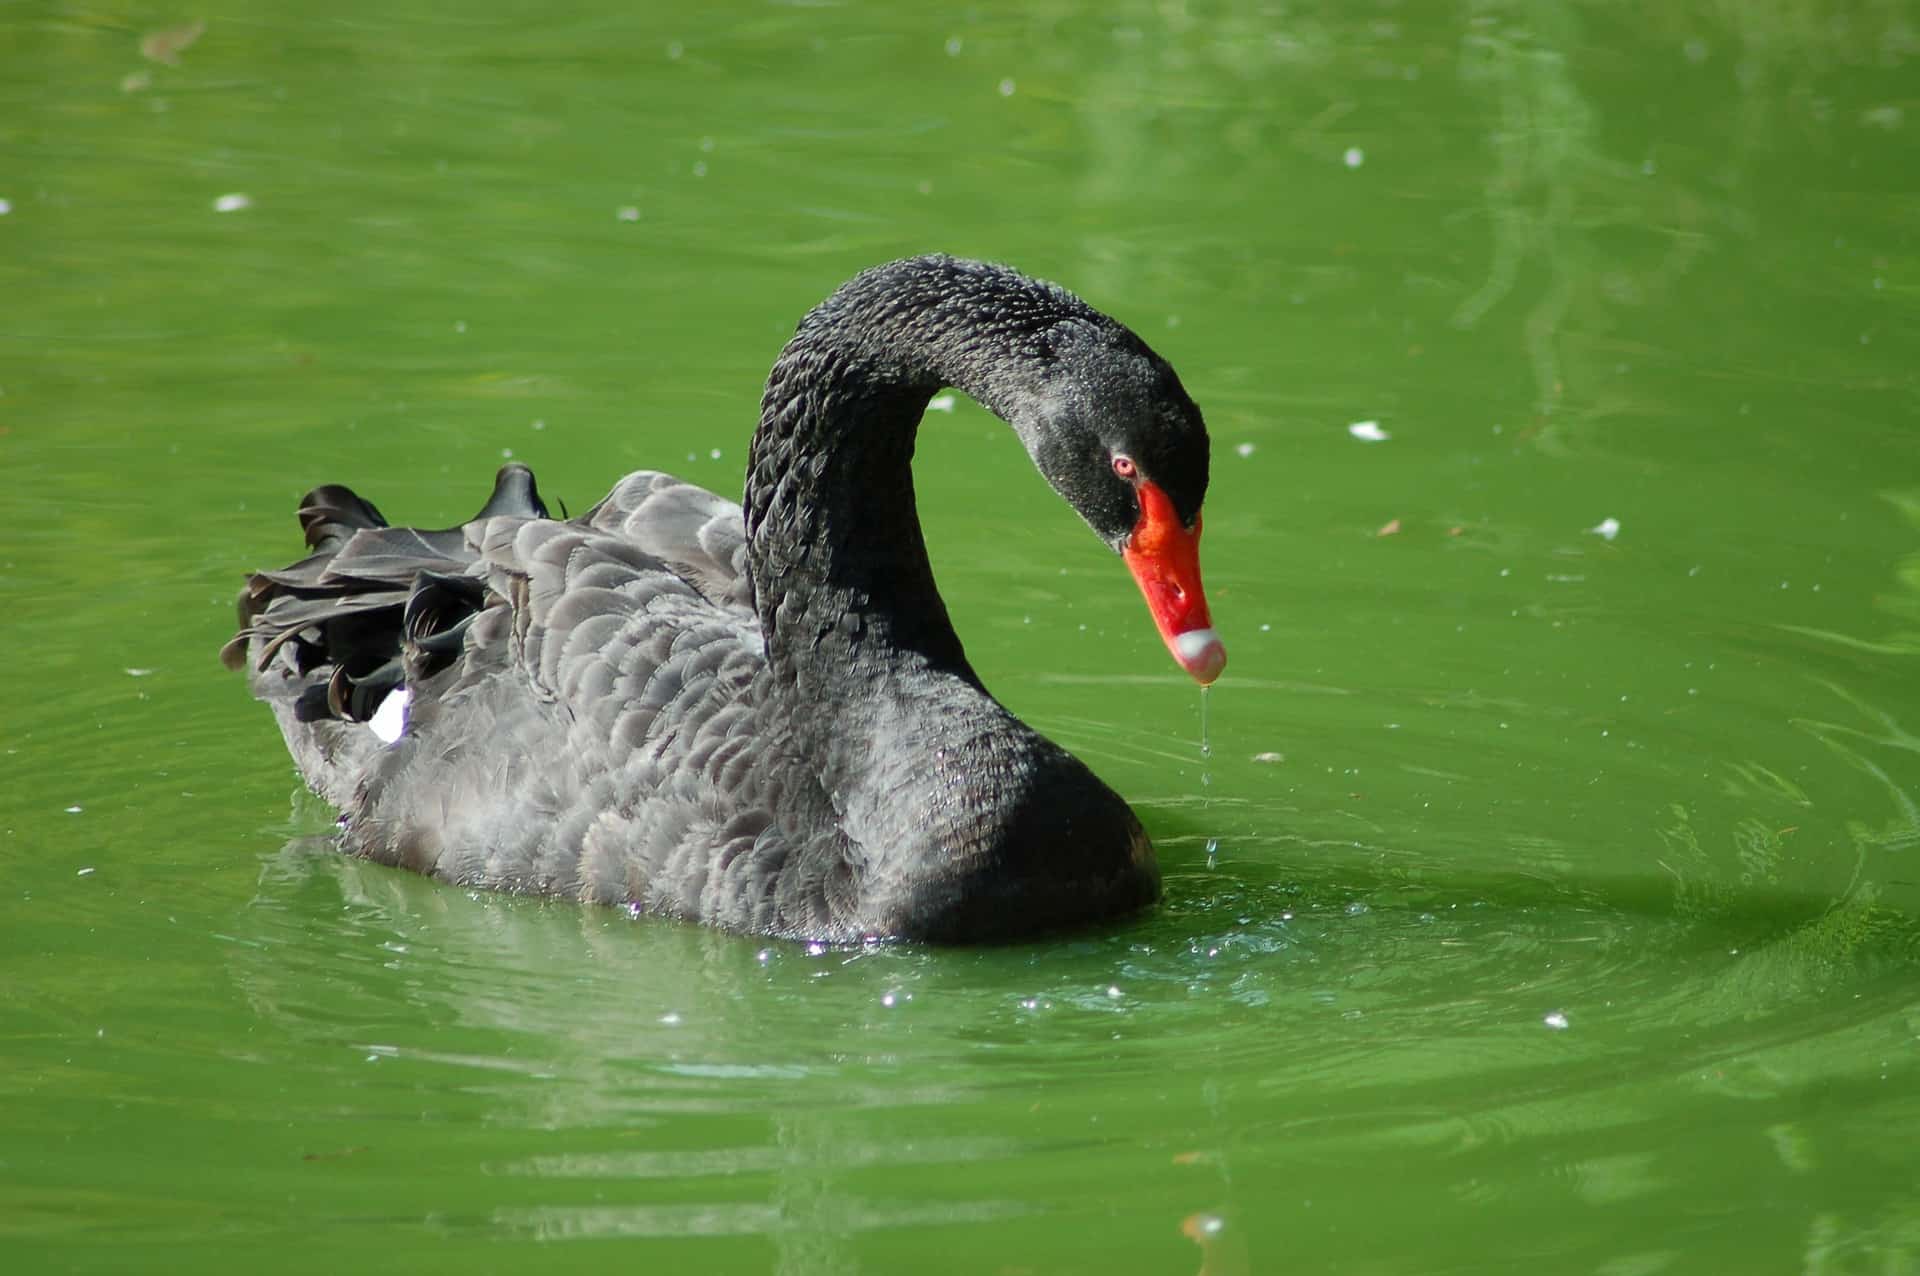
(755, 717)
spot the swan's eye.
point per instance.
(1123, 466)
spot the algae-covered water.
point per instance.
(1563, 905)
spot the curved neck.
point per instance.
(839, 567)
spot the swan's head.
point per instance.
(1117, 436)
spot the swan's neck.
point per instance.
(840, 571)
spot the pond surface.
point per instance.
(1550, 900)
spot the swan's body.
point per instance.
(760, 719)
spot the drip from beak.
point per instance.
(1164, 558)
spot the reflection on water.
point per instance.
(666, 1081)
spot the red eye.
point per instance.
(1123, 466)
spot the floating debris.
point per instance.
(138, 673)
(1269, 757)
(232, 203)
(85, 872)
(1557, 1020)
(1244, 449)
(1223, 1248)
(167, 45)
(1606, 529)
(6, 206)
(1006, 87)
(1390, 528)
(1368, 432)
(940, 403)
(1354, 157)
(627, 213)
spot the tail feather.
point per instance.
(371, 609)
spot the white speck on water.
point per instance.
(713, 454)
(506, 454)
(1356, 908)
(1606, 529)
(1213, 851)
(671, 1019)
(954, 46)
(1006, 87)
(700, 168)
(626, 213)
(1113, 990)
(85, 872)
(1368, 432)
(816, 949)
(675, 50)
(887, 1000)
(1244, 449)
(1269, 757)
(1556, 1020)
(941, 403)
(138, 673)
(1266, 629)
(460, 326)
(232, 203)
(539, 425)
(6, 206)
(74, 810)
(1354, 157)
(706, 144)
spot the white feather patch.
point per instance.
(390, 719)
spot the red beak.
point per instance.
(1164, 558)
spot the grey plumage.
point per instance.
(761, 720)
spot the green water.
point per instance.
(1564, 914)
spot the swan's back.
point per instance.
(584, 711)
